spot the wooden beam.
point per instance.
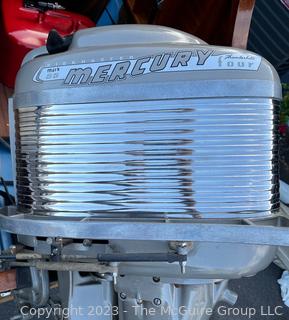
(242, 23)
(142, 11)
(5, 94)
(8, 280)
(212, 21)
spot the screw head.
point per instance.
(49, 240)
(13, 249)
(87, 242)
(122, 295)
(157, 301)
(55, 251)
(59, 239)
(182, 244)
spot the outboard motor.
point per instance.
(147, 172)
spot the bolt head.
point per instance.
(13, 249)
(157, 301)
(55, 251)
(87, 242)
(49, 240)
(182, 244)
(122, 295)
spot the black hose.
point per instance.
(7, 257)
(129, 257)
(4, 195)
(141, 257)
(5, 143)
(9, 200)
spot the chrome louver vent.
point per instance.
(179, 159)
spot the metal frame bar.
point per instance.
(249, 233)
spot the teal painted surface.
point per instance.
(6, 173)
(111, 13)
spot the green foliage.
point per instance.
(284, 112)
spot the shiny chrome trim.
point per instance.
(209, 158)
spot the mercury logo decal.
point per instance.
(98, 72)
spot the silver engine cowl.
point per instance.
(169, 128)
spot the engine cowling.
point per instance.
(148, 123)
